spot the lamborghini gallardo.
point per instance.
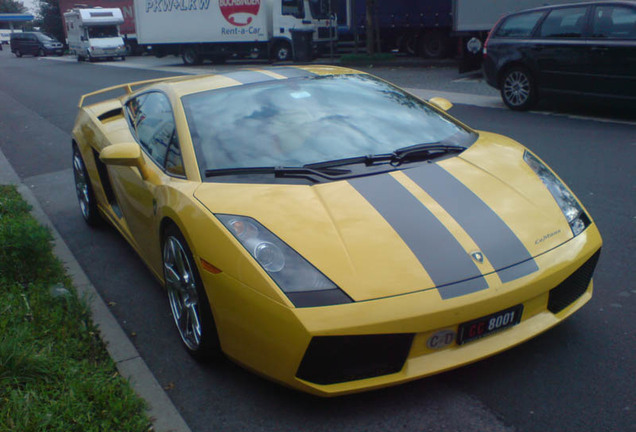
(328, 230)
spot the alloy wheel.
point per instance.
(182, 292)
(517, 88)
(81, 185)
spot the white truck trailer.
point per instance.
(93, 33)
(219, 29)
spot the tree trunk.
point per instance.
(370, 26)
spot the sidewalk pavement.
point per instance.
(164, 415)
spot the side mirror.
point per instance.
(124, 154)
(128, 154)
(441, 103)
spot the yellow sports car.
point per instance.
(328, 230)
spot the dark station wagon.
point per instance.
(577, 49)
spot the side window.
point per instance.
(564, 23)
(153, 122)
(614, 22)
(519, 25)
(294, 8)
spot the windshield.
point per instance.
(102, 31)
(320, 9)
(45, 38)
(294, 122)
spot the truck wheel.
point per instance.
(282, 51)
(191, 56)
(434, 45)
(518, 89)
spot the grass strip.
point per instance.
(55, 373)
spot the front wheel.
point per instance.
(518, 89)
(84, 190)
(18, 53)
(188, 301)
(191, 56)
(41, 53)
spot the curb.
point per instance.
(162, 413)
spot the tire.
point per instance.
(282, 51)
(80, 58)
(84, 190)
(434, 44)
(190, 56)
(123, 58)
(188, 301)
(41, 53)
(18, 53)
(518, 89)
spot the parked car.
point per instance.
(35, 43)
(313, 238)
(576, 49)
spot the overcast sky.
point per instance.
(30, 5)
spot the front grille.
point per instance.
(335, 359)
(324, 32)
(573, 287)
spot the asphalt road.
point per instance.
(579, 376)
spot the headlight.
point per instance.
(303, 284)
(570, 207)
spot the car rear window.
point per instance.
(519, 25)
(614, 22)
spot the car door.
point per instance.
(561, 50)
(612, 47)
(152, 121)
(30, 44)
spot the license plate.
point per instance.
(484, 326)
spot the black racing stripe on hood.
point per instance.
(249, 77)
(435, 247)
(493, 237)
(291, 72)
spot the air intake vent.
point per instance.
(568, 291)
(334, 359)
(117, 112)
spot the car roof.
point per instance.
(566, 5)
(182, 86)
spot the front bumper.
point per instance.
(273, 339)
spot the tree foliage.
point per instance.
(50, 19)
(12, 6)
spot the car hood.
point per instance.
(443, 225)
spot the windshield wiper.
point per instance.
(397, 157)
(423, 152)
(313, 174)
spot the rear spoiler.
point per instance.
(128, 87)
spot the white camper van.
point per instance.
(94, 33)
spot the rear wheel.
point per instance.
(434, 44)
(518, 89)
(84, 190)
(188, 301)
(282, 51)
